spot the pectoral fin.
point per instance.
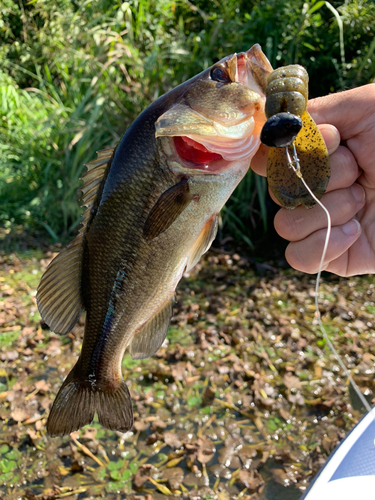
(166, 210)
(314, 164)
(203, 242)
(150, 337)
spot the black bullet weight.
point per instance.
(280, 130)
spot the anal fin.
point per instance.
(147, 340)
(203, 241)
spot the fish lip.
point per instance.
(244, 150)
(214, 167)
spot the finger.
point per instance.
(358, 259)
(342, 204)
(344, 169)
(331, 137)
(259, 162)
(352, 112)
(340, 265)
(345, 110)
(305, 255)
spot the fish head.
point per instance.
(218, 116)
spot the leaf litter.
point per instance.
(243, 400)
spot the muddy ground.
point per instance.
(243, 401)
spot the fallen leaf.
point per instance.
(19, 414)
(171, 439)
(292, 382)
(42, 386)
(141, 425)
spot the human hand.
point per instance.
(350, 196)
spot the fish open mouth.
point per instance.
(211, 155)
(192, 151)
(192, 155)
(205, 157)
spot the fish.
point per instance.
(151, 211)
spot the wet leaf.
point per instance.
(174, 476)
(3, 449)
(252, 480)
(115, 465)
(141, 425)
(143, 475)
(292, 382)
(172, 440)
(19, 414)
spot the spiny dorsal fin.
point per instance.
(59, 291)
(92, 180)
(203, 242)
(150, 337)
(166, 210)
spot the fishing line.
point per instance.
(294, 164)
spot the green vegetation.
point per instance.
(75, 74)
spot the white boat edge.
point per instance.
(348, 488)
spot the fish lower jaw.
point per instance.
(216, 166)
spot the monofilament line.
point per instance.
(294, 164)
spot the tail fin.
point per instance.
(78, 400)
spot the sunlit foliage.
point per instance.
(75, 74)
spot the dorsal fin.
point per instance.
(147, 340)
(92, 180)
(59, 291)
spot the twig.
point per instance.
(87, 451)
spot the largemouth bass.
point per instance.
(152, 208)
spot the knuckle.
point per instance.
(344, 168)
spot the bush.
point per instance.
(76, 74)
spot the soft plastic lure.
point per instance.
(289, 124)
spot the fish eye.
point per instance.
(219, 74)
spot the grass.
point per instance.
(74, 76)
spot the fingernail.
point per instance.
(358, 192)
(351, 228)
